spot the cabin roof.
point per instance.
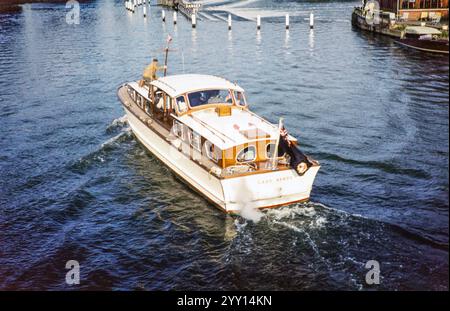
(179, 84)
(229, 131)
(422, 30)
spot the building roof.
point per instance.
(179, 84)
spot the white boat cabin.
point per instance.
(211, 116)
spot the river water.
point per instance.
(75, 184)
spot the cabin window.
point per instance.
(169, 103)
(247, 154)
(181, 104)
(195, 140)
(147, 107)
(159, 100)
(139, 101)
(210, 152)
(270, 148)
(130, 90)
(240, 98)
(209, 97)
(177, 129)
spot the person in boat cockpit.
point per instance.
(150, 72)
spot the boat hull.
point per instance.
(359, 21)
(432, 46)
(230, 194)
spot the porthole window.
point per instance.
(247, 154)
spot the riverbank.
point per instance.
(10, 6)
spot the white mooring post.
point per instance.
(175, 18)
(135, 3)
(229, 21)
(194, 20)
(258, 22)
(163, 15)
(287, 21)
(311, 20)
(145, 11)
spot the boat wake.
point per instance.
(309, 219)
(102, 154)
(250, 213)
(117, 123)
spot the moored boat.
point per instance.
(425, 39)
(201, 127)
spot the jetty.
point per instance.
(188, 8)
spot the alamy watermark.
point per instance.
(73, 275)
(373, 275)
(73, 16)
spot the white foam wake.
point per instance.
(119, 122)
(250, 213)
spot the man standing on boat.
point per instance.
(150, 72)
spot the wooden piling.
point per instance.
(194, 20)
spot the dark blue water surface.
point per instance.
(75, 184)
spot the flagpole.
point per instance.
(169, 38)
(165, 61)
(277, 143)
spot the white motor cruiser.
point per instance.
(201, 127)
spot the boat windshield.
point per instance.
(210, 97)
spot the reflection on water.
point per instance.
(76, 184)
(311, 40)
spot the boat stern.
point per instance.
(267, 190)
